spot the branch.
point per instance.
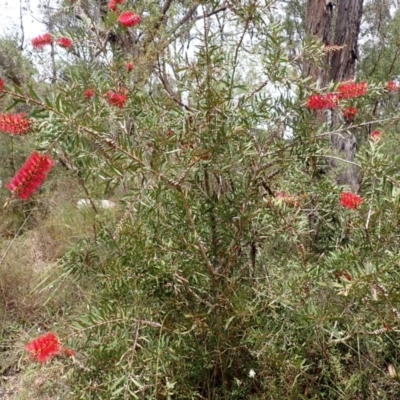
(223, 8)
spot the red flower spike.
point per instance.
(350, 90)
(392, 86)
(43, 40)
(15, 124)
(67, 352)
(89, 93)
(350, 113)
(350, 200)
(129, 19)
(376, 136)
(113, 4)
(322, 101)
(116, 99)
(31, 176)
(64, 42)
(1, 85)
(44, 347)
(129, 66)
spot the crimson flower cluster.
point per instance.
(350, 113)
(15, 124)
(116, 99)
(323, 101)
(114, 3)
(350, 200)
(64, 42)
(44, 347)
(39, 42)
(392, 86)
(1, 84)
(46, 39)
(331, 100)
(376, 136)
(129, 66)
(31, 176)
(129, 19)
(89, 93)
(353, 89)
(47, 346)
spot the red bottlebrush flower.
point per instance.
(44, 347)
(322, 101)
(350, 113)
(376, 136)
(67, 352)
(31, 176)
(129, 19)
(64, 42)
(129, 66)
(116, 99)
(350, 200)
(89, 93)
(1, 84)
(43, 40)
(350, 90)
(15, 124)
(113, 4)
(392, 86)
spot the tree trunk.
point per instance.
(341, 67)
(318, 24)
(348, 21)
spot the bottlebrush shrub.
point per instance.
(205, 275)
(43, 40)
(15, 124)
(31, 176)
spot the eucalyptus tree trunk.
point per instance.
(338, 67)
(318, 23)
